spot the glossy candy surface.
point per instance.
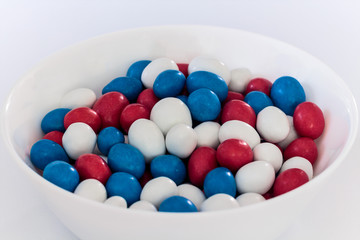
(238, 110)
(84, 115)
(136, 69)
(124, 185)
(309, 120)
(259, 84)
(258, 101)
(62, 174)
(219, 180)
(177, 204)
(91, 189)
(158, 189)
(168, 166)
(240, 77)
(302, 147)
(289, 180)
(54, 120)
(147, 98)
(107, 138)
(79, 97)
(131, 113)
(204, 105)
(169, 83)
(92, 166)
(130, 87)
(181, 140)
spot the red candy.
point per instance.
(201, 161)
(309, 120)
(92, 166)
(109, 107)
(85, 115)
(233, 154)
(233, 96)
(302, 147)
(55, 136)
(238, 110)
(259, 84)
(131, 113)
(183, 67)
(289, 180)
(147, 98)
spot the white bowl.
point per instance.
(95, 62)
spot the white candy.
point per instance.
(291, 136)
(80, 97)
(154, 68)
(255, 177)
(116, 201)
(91, 189)
(144, 206)
(158, 189)
(249, 198)
(194, 194)
(218, 202)
(146, 136)
(79, 138)
(181, 140)
(240, 77)
(272, 124)
(169, 111)
(208, 134)
(239, 130)
(298, 162)
(204, 63)
(270, 153)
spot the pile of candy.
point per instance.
(181, 138)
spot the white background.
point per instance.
(329, 30)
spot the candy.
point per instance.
(80, 97)
(233, 154)
(79, 138)
(109, 107)
(272, 124)
(126, 158)
(116, 201)
(144, 206)
(298, 162)
(204, 105)
(238, 110)
(181, 140)
(289, 180)
(207, 134)
(286, 93)
(158, 189)
(270, 153)
(168, 166)
(92, 166)
(302, 147)
(257, 177)
(309, 120)
(131, 113)
(107, 138)
(124, 185)
(169, 83)
(46, 151)
(177, 204)
(153, 69)
(183, 67)
(233, 96)
(205, 63)
(219, 202)
(259, 84)
(246, 199)
(201, 162)
(209, 80)
(91, 189)
(194, 194)
(239, 130)
(54, 120)
(130, 87)
(258, 101)
(84, 115)
(147, 98)
(219, 180)
(136, 69)
(240, 77)
(146, 136)
(62, 174)
(55, 136)
(291, 136)
(168, 112)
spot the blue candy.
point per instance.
(169, 83)
(258, 100)
(62, 174)
(107, 138)
(169, 166)
(183, 98)
(286, 93)
(46, 151)
(219, 180)
(136, 69)
(204, 105)
(54, 120)
(204, 79)
(126, 158)
(130, 87)
(177, 204)
(124, 185)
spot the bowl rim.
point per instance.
(352, 111)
